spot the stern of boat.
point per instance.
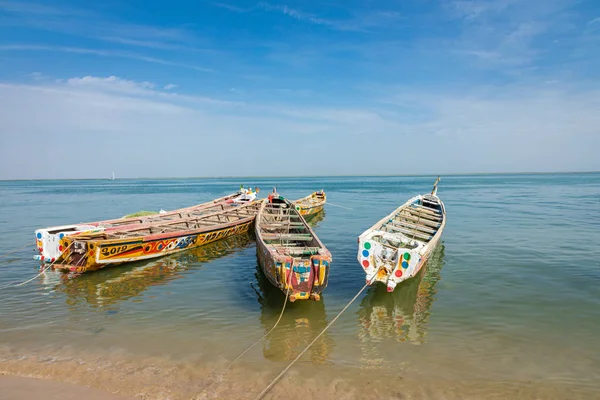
(302, 278)
(49, 241)
(386, 264)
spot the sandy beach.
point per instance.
(18, 388)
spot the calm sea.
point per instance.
(509, 306)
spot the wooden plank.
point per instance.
(282, 224)
(424, 210)
(409, 232)
(405, 224)
(423, 221)
(302, 251)
(435, 218)
(287, 236)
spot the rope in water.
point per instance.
(40, 274)
(259, 340)
(274, 381)
(16, 251)
(336, 205)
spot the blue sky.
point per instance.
(230, 88)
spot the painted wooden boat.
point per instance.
(311, 204)
(52, 242)
(398, 246)
(290, 254)
(92, 250)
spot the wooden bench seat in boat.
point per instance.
(423, 215)
(410, 217)
(424, 209)
(281, 224)
(409, 232)
(299, 251)
(405, 224)
(305, 237)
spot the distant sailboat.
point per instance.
(113, 176)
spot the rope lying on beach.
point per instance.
(274, 381)
(41, 273)
(259, 340)
(16, 251)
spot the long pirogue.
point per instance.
(90, 246)
(399, 245)
(290, 253)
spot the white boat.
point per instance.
(398, 246)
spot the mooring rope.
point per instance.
(336, 205)
(40, 274)
(259, 340)
(274, 381)
(16, 251)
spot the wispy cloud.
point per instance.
(83, 23)
(233, 8)
(473, 130)
(114, 84)
(34, 8)
(102, 53)
(361, 21)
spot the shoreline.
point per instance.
(14, 387)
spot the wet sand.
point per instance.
(125, 376)
(19, 388)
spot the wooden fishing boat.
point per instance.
(227, 215)
(396, 248)
(311, 204)
(290, 254)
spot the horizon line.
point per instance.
(305, 176)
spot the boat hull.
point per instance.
(48, 240)
(311, 205)
(103, 253)
(290, 255)
(308, 279)
(397, 247)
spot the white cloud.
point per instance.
(132, 124)
(169, 86)
(112, 83)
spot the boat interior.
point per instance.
(419, 221)
(191, 219)
(282, 228)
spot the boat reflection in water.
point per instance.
(314, 219)
(301, 322)
(112, 285)
(401, 315)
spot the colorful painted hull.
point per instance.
(291, 256)
(398, 246)
(94, 251)
(48, 239)
(311, 204)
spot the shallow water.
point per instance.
(509, 306)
